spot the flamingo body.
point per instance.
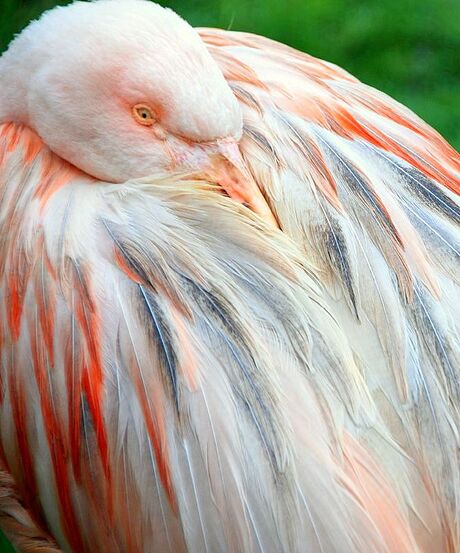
(181, 374)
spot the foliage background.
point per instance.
(407, 48)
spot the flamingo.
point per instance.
(229, 295)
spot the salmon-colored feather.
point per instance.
(327, 96)
(390, 185)
(177, 373)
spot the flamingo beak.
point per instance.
(227, 168)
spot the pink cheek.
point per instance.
(159, 133)
(190, 158)
(170, 154)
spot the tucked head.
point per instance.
(122, 89)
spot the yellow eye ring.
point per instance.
(143, 115)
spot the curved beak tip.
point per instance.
(228, 169)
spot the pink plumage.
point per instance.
(229, 289)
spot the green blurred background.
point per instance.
(407, 48)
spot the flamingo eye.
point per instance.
(143, 115)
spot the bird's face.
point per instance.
(125, 89)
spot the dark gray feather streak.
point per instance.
(250, 376)
(162, 335)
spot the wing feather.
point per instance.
(173, 384)
(371, 194)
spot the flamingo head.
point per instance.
(124, 89)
